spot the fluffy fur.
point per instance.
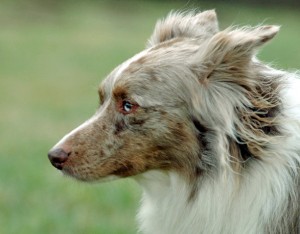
(210, 133)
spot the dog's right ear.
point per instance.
(202, 25)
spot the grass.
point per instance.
(52, 58)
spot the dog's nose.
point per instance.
(58, 157)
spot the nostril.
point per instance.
(57, 157)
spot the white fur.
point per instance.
(221, 206)
(127, 63)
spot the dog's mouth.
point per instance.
(77, 173)
(70, 172)
(86, 177)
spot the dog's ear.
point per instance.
(201, 25)
(231, 49)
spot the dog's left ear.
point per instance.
(201, 25)
(230, 50)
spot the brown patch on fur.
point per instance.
(259, 121)
(185, 143)
(120, 92)
(205, 79)
(119, 127)
(132, 161)
(137, 121)
(239, 154)
(101, 94)
(140, 151)
(162, 112)
(109, 146)
(124, 169)
(166, 34)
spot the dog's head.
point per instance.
(166, 107)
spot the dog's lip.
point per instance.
(69, 173)
(57, 165)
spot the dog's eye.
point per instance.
(127, 106)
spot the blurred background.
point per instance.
(53, 55)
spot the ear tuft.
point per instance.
(267, 32)
(232, 48)
(249, 38)
(201, 25)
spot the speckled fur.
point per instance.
(214, 139)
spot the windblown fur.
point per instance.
(210, 133)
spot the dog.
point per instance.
(210, 133)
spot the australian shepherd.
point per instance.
(209, 132)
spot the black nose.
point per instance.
(58, 157)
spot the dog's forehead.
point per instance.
(144, 70)
(129, 62)
(166, 52)
(108, 84)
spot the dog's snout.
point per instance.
(58, 157)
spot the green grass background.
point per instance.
(53, 54)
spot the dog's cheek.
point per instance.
(133, 153)
(146, 150)
(128, 159)
(177, 145)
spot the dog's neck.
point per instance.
(216, 207)
(165, 197)
(159, 185)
